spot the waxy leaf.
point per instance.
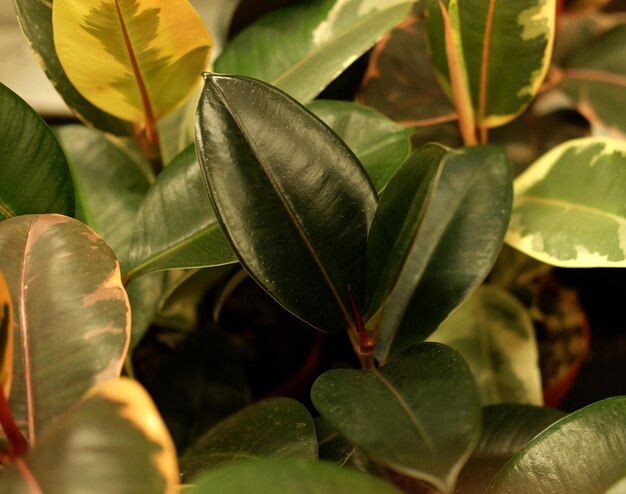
(6, 337)
(505, 48)
(72, 318)
(594, 76)
(569, 205)
(288, 476)
(274, 427)
(380, 144)
(35, 19)
(419, 415)
(34, 175)
(495, 334)
(113, 441)
(135, 60)
(581, 453)
(176, 226)
(332, 446)
(291, 197)
(422, 269)
(301, 49)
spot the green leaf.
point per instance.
(419, 415)
(506, 48)
(34, 175)
(581, 453)
(7, 330)
(569, 208)
(594, 76)
(74, 320)
(431, 266)
(302, 48)
(380, 145)
(109, 186)
(176, 226)
(273, 427)
(495, 334)
(35, 18)
(288, 476)
(113, 441)
(135, 60)
(291, 197)
(332, 446)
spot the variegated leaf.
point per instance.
(6, 337)
(72, 317)
(569, 207)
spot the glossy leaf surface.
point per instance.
(495, 334)
(176, 226)
(287, 476)
(34, 175)
(506, 49)
(569, 208)
(301, 49)
(273, 427)
(380, 144)
(113, 441)
(291, 197)
(109, 186)
(332, 446)
(74, 322)
(419, 415)
(6, 337)
(591, 446)
(35, 18)
(135, 60)
(431, 266)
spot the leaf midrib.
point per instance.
(559, 203)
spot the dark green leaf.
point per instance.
(332, 446)
(419, 415)
(34, 174)
(291, 197)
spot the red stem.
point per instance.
(17, 442)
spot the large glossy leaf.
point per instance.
(380, 145)
(495, 334)
(569, 208)
(594, 77)
(420, 415)
(34, 175)
(301, 49)
(73, 322)
(332, 446)
(176, 226)
(581, 453)
(109, 186)
(35, 18)
(423, 270)
(506, 48)
(135, 60)
(274, 427)
(113, 441)
(291, 197)
(288, 476)
(6, 337)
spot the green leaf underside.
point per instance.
(452, 249)
(302, 48)
(291, 197)
(274, 427)
(73, 324)
(34, 174)
(380, 144)
(595, 78)
(288, 476)
(35, 18)
(494, 333)
(176, 226)
(510, 66)
(569, 208)
(581, 453)
(419, 415)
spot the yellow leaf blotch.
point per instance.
(126, 55)
(6, 337)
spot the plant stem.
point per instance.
(17, 442)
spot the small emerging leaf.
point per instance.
(6, 337)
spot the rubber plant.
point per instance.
(194, 171)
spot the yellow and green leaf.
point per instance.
(569, 207)
(6, 336)
(135, 60)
